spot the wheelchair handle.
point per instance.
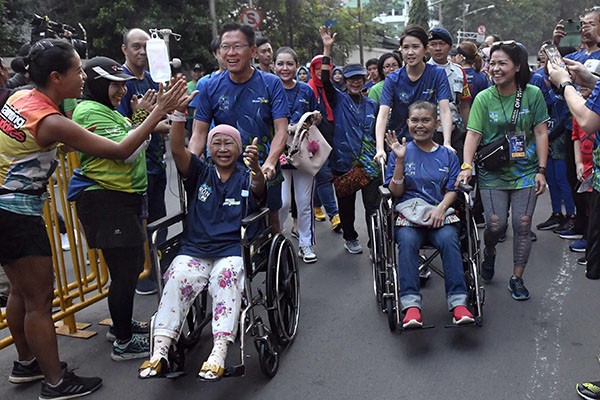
(164, 223)
(255, 216)
(465, 188)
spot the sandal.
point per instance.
(215, 369)
(153, 369)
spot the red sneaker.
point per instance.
(412, 319)
(461, 316)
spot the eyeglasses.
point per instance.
(236, 47)
(391, 66)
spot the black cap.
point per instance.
(440, 34)
(104, 67)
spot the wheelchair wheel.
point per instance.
(377, 261)
(390, 310)
(283, 290)
(268, 355)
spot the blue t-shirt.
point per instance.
(155, 160)
(427, 176)
(582, 56)
(354, 133)
(399, 92)
(251, 107)
(541, 81)
(201, 82)
(216, 210)
(301, 99)
(477, 82)
(593, 103)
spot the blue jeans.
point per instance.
(324, 194)
(560, 190)
(445, 239)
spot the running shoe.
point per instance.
(138, 327)
(588, 390)
(22, 373)
(70, 387)
(137, 347)
(570, 234)
(308, 255)
(578, 246)
(412, 319)
(462, 316)
(487, 266)
(517, 288)
(567, 225)
(353, 246)
(555, 220)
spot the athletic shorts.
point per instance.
(22, 236)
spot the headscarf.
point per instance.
(305, 69)
(101, 71)
(227, 130)
(315, 83)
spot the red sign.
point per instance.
(251, 17)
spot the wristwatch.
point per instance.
(561, 88)
(541, 170)
(465, 166)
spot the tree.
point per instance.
(419, 14)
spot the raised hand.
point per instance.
(398, 148)
(326, 36)
(146, 102)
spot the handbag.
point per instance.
(307, 148)
(496, 155)
(351, 182)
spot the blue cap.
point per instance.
(351, 70)
(440, 34)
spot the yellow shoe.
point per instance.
(319, 214)
(336, 224)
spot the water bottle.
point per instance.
(158, 60)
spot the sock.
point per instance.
(56, 384)
(217, 356)
(161, 348)
(27, 363)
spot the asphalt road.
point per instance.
(536, 349)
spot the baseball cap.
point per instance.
(351, 70)
(440, 34)
(453, 52)
(104, 67)
(593, 66)
(198, 66)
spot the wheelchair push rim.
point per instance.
(283, 290)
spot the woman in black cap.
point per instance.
(109, 195)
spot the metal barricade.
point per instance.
(81, 275)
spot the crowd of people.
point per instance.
(420, 120)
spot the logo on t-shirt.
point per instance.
(204, 191)
(410, 168)
(11, 122)
(231, 202)
(223, 103)
(493, 115)
(261, 100)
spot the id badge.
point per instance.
(517, 146)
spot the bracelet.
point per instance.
(398, 181)
(541, 170)
(177, 113)
(465, 166)
(177, 118)
(326, 60)
(139, 116)
(562, 87)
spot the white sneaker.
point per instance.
(353, 246)
(64, 242)
(308, 255)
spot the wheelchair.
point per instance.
(267, 257)
(383, 257)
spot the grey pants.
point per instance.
(496, 204)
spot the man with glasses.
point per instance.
(590, 36)
(252, 101)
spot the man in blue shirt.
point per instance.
(251, 101)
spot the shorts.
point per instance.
(111, 218)
(22, 236)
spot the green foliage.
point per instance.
(419, 14)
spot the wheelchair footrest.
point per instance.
(474, 324)
(236, 370)
(419, 328)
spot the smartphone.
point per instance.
(553, 55)
(573, 33)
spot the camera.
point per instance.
(45, 28)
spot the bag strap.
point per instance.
(299, 134)
(516, 110)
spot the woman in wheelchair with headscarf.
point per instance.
(220, 195)
(421, 176)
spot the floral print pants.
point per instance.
(186, 278)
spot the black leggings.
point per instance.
(124, 265)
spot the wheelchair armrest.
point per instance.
(254, 217)
(385, 192)
(164, 223)
(465, 188)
